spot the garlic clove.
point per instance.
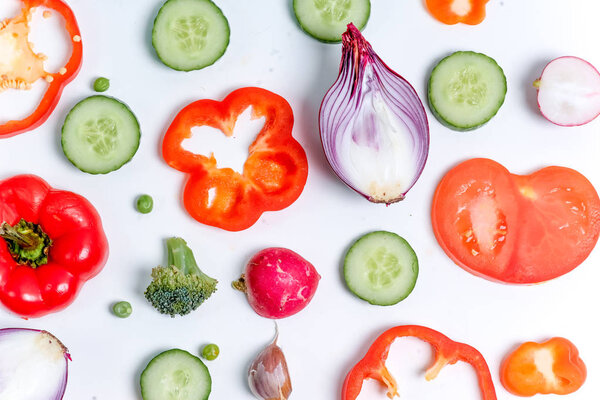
(268, 375)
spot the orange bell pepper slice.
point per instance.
(450, 12)
(553, 366)
(274, 174)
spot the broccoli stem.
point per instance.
(179, 255)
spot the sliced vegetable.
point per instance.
(144, 204)
(381, 268)
(21, 66)
(100, 135)
(190, 34)
(569, 91)
(450, 12)
(553, 366)
(101, 85)
(326, 20)
(33, 365)
(373, 125)
(180, 287)
(447, 352)
(175, 374)
(515, 228)
(210, 352)
(268, 375)
(122, 309)
(51, 243)
(274, 173)
(278, 282)
(466, 89)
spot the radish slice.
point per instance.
(33, 365)
(569, 91)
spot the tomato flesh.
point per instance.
(513, 228)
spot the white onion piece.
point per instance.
(569, 91)
(373, 125)
(33, 365)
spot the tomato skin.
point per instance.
(511, 228)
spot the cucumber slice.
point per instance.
(381, 268)
(100, 135)
(175, 375)
(190, 34)
(466, 89)
(326, 20)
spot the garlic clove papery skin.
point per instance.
(268, 375)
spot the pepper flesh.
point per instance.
(447, 352)
(33, 284)
(274, 174)
(553, 366)
(450, 12)
(20, 67)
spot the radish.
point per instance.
(278, 282)
(569, 91)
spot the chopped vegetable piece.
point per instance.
(278, 282)
(373, 125)
(446, 352)
(122, 309)
(381, 268)
(274, 173)
(268, 375)
(20, 66)
(326, 20)
(101, 85)
(569, 92)
(175, 374)
(180, 287)
(450, 12)
(466, 89)
(515, 228)
(144, 204)
(34, 365)
(190, 34)
(100, 135)
(210, 352)
(553, 366)
(51, 243)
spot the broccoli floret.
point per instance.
(181, 287)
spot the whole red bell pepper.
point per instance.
(51, 242)
(27, 67)
(372, 366)
(274, 173)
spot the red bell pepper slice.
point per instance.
(274, 173)
(450, 12)
(553, 366)
(372, 366)
(51, 242)
(22, 78)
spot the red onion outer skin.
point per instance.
(60, 390)
(345, 96)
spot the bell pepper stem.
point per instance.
(11, 234)
(27, 243)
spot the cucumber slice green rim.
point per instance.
(466, 89)
(175, 375)
(381, 268)
(190, 34)
(100, 135)
(326, 20)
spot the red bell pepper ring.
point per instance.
(51, 242)
(550, 367)
(19, 79)
(447, 352)
(274, 174)
(450, 12)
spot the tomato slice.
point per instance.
(515, 228)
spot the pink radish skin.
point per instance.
(278, 282)
(569, 91)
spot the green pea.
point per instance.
(122, 309)
(210, 351)
(101, 85)
(144, 204)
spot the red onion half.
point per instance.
(373, 125)
(33, 365)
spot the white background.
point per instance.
(323, 341)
